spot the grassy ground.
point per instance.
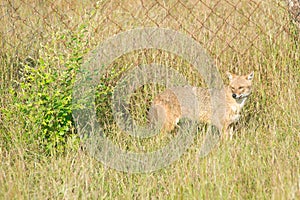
(260, 162)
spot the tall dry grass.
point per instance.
(261, 162)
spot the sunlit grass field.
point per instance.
(44, 44)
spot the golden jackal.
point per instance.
(178, 102)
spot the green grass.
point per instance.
(260, 162)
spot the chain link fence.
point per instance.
(230, 30)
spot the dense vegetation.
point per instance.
(41, 154)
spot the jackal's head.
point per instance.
(240, 85)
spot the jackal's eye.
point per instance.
(241, 88)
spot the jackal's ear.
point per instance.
(229, 75)
(250, 76)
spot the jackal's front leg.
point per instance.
(226, 132)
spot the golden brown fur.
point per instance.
(195, 103)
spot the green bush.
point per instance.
(45, 98)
